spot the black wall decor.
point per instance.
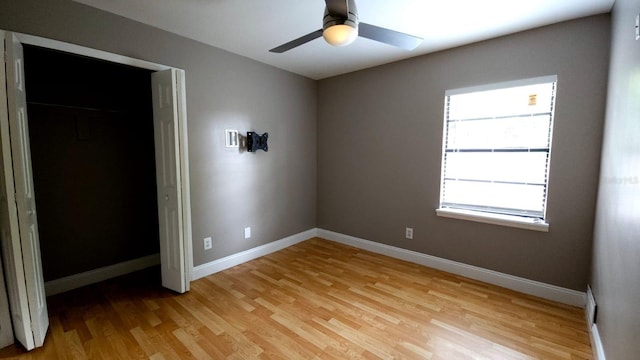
(256, 141)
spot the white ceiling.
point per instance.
(252, 27)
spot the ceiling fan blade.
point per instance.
(297, 42)
(338, 8)
(387, 36)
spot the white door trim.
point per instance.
(182, 121)
(89, 52)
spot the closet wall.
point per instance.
(91, 133)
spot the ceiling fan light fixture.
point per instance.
(340, 27)
(340, 35)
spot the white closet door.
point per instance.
(6, 329)
(170, 209)
(21, 243)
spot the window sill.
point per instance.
(495, 219)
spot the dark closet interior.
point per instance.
(93, 158)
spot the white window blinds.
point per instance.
(497, 142)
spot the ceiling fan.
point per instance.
(341, 27)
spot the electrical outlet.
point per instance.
(408, 233)
(247, 232)
(208, 243)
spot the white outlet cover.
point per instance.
(247, 232)
(208, 243)
(409, 233)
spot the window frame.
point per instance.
(523, 221)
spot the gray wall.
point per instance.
(380, 147)
(616, 249)
(274, 192)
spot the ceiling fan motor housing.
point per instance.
(350, 19)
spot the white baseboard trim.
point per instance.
(531, 287)
(104, 273)
(596, 343)
(590, 307)
(215, 266)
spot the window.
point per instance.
(497, 142)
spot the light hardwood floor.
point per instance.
(314, 300)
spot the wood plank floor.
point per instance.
(313, 300)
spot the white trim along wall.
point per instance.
(96, 275)
(531, 287)
(536, 288)
(596, 342)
